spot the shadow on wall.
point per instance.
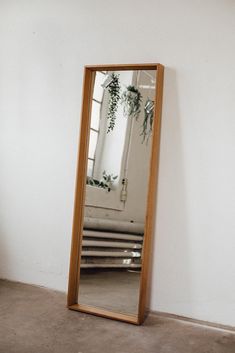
(171, 275)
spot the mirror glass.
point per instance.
(121, 118)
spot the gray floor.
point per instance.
(36, 320)
(112, 290)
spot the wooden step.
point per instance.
(112, 235)
(127, 254)
(115, 225)
(105, 265)
(110, 260)
(110, 244)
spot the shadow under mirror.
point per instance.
(118, 165)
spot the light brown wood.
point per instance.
(80, 195)
(122, 67)
(151, 201)
(132, 319)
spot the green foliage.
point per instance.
(105, 183)
(147, 125)
(131, 100)
(114, 92)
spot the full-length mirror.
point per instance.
(115, 189)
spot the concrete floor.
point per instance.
(35, 320)
(112, 290)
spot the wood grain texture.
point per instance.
(151, 201)
(132, 319)
(122, 67)
(76, 244)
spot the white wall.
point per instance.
(44, 45)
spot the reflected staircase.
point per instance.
(111, 244)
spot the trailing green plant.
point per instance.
(105, 183)
(114, 92)
(147, 125)
(131, 100)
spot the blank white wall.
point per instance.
(44, 46)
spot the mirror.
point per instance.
(112, 216)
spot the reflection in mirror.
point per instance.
(122, 112)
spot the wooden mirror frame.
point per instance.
(77, 232)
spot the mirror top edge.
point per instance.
(122, 67)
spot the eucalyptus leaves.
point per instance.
(131, 99)
(114, 92)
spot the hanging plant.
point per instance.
(114, 92)
(131, 100)
(148, 120)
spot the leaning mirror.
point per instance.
(115, 191)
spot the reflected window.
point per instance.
(95, 121)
